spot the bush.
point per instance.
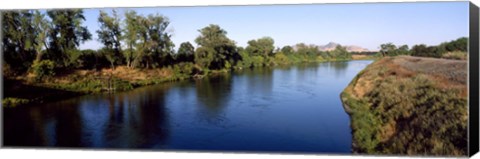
(456, 55)
(13, 102)
(257, 61)
(280, 58)
(43, 69)
(185, 68)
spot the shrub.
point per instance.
(280, 58)
(13, 102)
(456, 55)
(43, 69)
(257, 61)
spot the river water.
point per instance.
(282, 109)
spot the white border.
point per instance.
(82, 154)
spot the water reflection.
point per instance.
(291, 108)
(136, 119)
(338, 68)
(213, 93)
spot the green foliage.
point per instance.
(150, 38)
(66, 35)
(459, 45)
(280, 58)
(215, 48)
(204, 56)
(42, 28)
(13, 102)
(18, 40)
(130, 36)
(340, 53)
(258, 61)
(43, 69)
(185, 52)
(184, 69)
(260, 47)
(110, 34)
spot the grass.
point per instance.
(396, 111)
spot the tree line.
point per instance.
(46, 42)
(422, 50)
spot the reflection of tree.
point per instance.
(214, 92)
(23, 128)
(135, 119)
(68, 125)
(260, 79)
(340, 68)
(140, 121)
(306, 71)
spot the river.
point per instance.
(282, 109)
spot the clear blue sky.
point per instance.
(367, 25)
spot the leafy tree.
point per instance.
(261, 47)
(419, 50)
(387, 49)
(42, 28)
(186, 52)
(160, 46)
(460, 44)
(66, 35)
(215, 50)
(340, 52)
(287, 50)
(403, 50)
(110, 35)
(18, 40)
(131, 36)
(151, 39)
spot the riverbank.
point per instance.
(409, 105)
(81, 82)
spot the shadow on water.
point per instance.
(134, 119)
(213, 93)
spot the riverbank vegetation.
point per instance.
(41, 49)
(409, 105)
(455, 49)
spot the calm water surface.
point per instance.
(288, 109)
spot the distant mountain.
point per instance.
(351, 48)
(331, 46)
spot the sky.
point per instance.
(367, 25)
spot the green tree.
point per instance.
(110, 35)
(340, 52)
(261, 47)
(151, 39)
(419, 50)
(403, 50)
(387, 49)
(215, 49)
(287, 50)
(131, 36)
(159, 46)
(66, 35)
(185, 52)
(18, 40)
(42, 28)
